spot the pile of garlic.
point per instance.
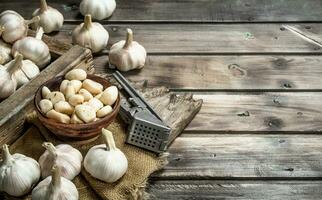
(80, 100)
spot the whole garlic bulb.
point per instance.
(34, 49)
(15, 25)
(99, 9)
(91, 35)
(55, 187)
(67, 158)
(50, 18)
(106, 162)
(127, 55)
(18, 173)
(26, 71)
(5, 50)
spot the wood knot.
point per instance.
(281, 63)
(273, 122)
(244, 114)
(236, 70)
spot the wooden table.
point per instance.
(257, 65)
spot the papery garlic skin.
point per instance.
(8, 83)
(67, 158)
(55, 187)
(99, 9)
(91, 35)
(50, 18)
(127, 54)
(34, 49)
(106, 162)
(18, 173)
(5, 52)
(15, 25)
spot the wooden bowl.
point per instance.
(72, 132)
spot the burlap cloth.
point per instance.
(131, 186)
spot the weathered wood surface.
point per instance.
(259, 112)
(192, 72)
(211, 189)
(188, 10)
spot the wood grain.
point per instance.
(243, 156)
(188, 10)
(246, 190)
(263, 72)
(259, 112)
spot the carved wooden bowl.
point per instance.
(75, 132)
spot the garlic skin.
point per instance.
(55, 187)
(15, 25)
(5, 51)
(99, 9)
(67, 158)
(106, 162)
(91, 35)
(50, 18)
(18, 173)
(27, 70)
(127, 55)
(34, 49)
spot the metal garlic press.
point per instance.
(146, 128)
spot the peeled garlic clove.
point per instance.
(70, 91)
(59, 117)
(109, 95)
(98, 96)
(76, 74)
(45, 106)
(34, 49)
(106, 162)
(18, 173)
(76, 100)
(127, 55)
(55, 97)
(50, 18)
(75, 120)
(45, 92)
(85, 113)
(76, 84)
(91, 35)
(64, 107)
(86, 94)
(15, 25)
(5, 51)
(104, 111)
(63, 86)
(67, 158)
(99, 9)
(55, 187)
(92, 86)
(95, 104)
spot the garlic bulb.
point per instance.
(91, 35)
(99, 9)
(15, 25)
(127, 55)
(50, 18)
(18, 173)
(55, 187)
(27, 70)
(67, 158)
(106, 162)
(34, 49)
(5, 51)
(8, 83)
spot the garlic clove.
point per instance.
(109, 95)
(50, 18)
(75, 120)
(91, 35)
(64, 107)
(5, 52)
(104, 111)
(95, 104)
(76, 100)
(18, 173)
(85, 113)
(45, 92)
(86, 94)
(45, 106)
(55, 97)
(127, 54)
(76, 74)
(57, 116)
(76, 84)
(92, 86)
(99, 9)
(106, 162)
(30, 69)
(70, 91)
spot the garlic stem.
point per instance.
(51, 149)
(40, 33)
(108, 139)
(15, 65)
(7, 157)
(43, 5)
(33, 20)
(87, 21)
(129, 38)
(56, 176)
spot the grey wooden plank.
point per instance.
(211, 38)
(189, 10)
(247, 190)
(263, 72)
(244, 156)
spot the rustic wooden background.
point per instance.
(257, 65)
